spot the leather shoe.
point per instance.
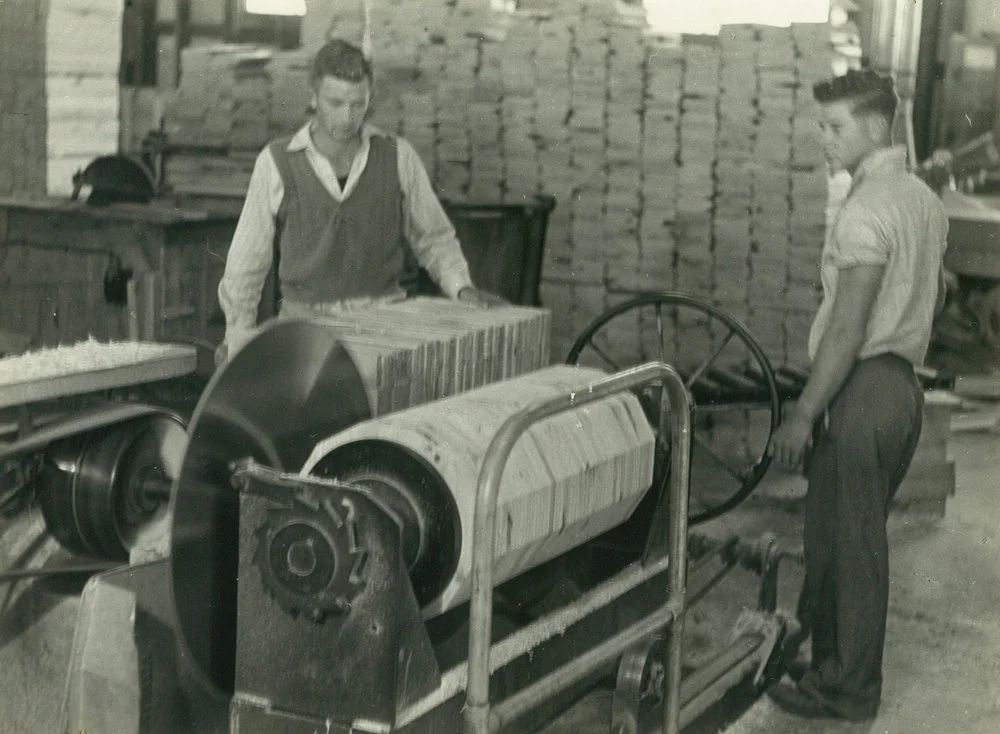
(796, 701)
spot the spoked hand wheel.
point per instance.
(736, 406)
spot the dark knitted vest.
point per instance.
(330, 250)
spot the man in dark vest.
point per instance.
(344, 200)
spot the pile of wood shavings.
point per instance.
(85, 356)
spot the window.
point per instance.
(703, 17)
(276, 7)
(234, 22)
(706, 16)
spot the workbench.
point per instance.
(35, 386)
(56, 256)
(89, 367)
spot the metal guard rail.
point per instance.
(675, 417)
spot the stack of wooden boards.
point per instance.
(689, 163)
(568, 478)
(930, 480)
(78, 110)
(225, 111)
(423, 349)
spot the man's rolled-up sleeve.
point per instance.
(860, 240)
(427, 228)
(251, 252)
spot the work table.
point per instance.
(59, 258)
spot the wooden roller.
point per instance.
(568, 479)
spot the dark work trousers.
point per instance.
(860, 455)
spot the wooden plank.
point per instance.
(927, 482)
(89, 367)
(978, 386)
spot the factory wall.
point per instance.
(59, 64)
(690, 165)
(22, 97)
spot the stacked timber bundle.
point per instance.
(424, 349)
(82, 58)
(930, 480)
(225, 111)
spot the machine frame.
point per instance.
(433, 700)
(463, 691)
(675, 416)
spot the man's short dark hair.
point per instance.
(342, 60)
(870, 93)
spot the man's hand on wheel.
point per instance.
(480, 298)
(790, 442)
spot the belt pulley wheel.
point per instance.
(100, 487)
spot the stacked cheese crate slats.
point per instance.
(664, 67)
(624, 139)
(770, 202)
(693, 225)
(223, 104)
(453, 143)
(289, 93)
(815, 57)
(486, 173)
(425, 349)
(80, 114)
(517, 113)
(553, 102)
(686, 163)
(735, 167)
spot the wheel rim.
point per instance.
(730, 352)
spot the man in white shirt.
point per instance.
(859, 415)
(342, 201)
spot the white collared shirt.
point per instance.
(425, 226)
(893, 219)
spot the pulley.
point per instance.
(99, 487)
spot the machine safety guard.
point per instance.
(675, 420)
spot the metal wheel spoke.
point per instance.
(718, 459)
(659, 329)
(600, 353)
(708, 360)
(716, 408)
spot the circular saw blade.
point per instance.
(291, 386)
